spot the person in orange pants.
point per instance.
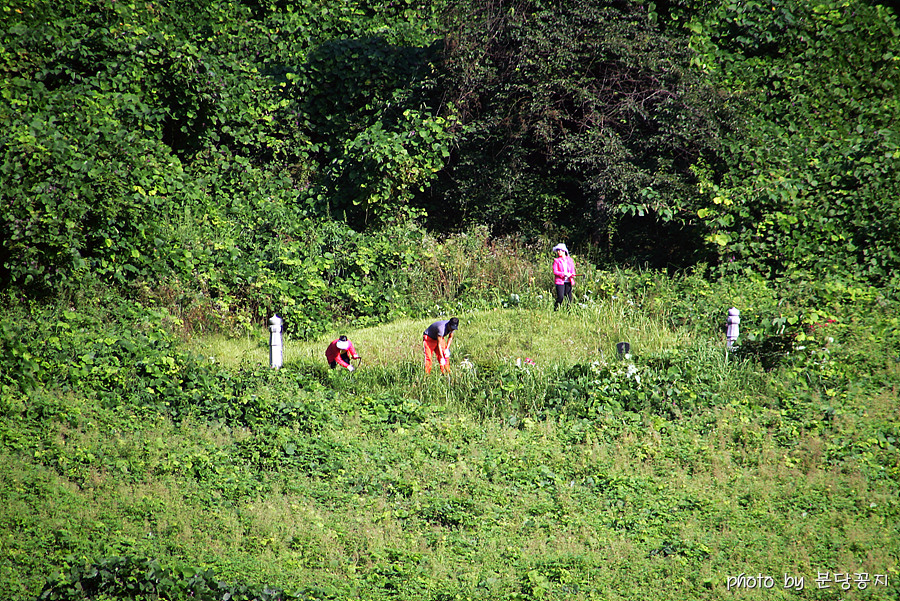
(436, 340)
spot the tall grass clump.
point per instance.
(472, 270)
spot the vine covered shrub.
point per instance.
(132, 577)
(812, 183)
(19, 367)
(668, 384)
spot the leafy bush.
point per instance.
(811, 183)
(667, 384)
(19, 368)
(139, 578)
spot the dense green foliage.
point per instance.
(195, 144)
(814, 172)
(192, 151)
(576, 114)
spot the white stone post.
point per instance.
(275, 342)
(732, 329)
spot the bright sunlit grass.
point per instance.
(581, 333)
(233, 352)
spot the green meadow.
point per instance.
(544, 466)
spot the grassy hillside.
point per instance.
(666, 474)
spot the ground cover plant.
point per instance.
(141, 466)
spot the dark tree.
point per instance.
(575, 114)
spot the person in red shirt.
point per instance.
(436, 340)
(340, 352)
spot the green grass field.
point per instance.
(505, 480)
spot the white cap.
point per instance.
(343, 344)
(561, 247)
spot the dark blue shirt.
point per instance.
(438, 329)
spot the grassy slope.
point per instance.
(459, 496)
(582, 334)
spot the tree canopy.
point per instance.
(812, 181)
(574, 114)
(206, 142)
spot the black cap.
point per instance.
(453, 323)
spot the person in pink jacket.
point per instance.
(563, 274)
(340, 352)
